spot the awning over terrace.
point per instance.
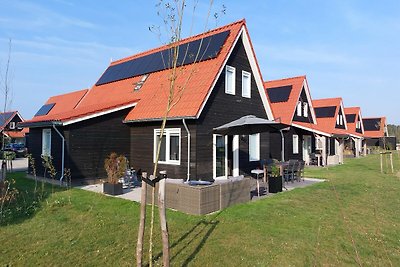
(249, 124)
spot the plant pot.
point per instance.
(112, 189)
(275, 184)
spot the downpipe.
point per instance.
(188, 150)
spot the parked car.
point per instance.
(19, 149)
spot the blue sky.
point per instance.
(346, 48)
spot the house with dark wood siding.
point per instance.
(123, 111)
(9, 127)
(376, 133)
(356, 144)
(331, 119)
(291, 104)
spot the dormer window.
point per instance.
(299, 107)
(230, 78)
(305, 109)
(246, 84)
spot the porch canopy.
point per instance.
(249, 124)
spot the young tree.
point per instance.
(5, 84)
(172, 14)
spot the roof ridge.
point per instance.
(285, 79)
(182, 41)
(69, 93)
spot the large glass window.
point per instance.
(246, 84)
(46, 142)
(230, 73)
(295, 144)
(254, 147)
(170, 146)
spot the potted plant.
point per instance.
(275, 180)
(115, 167)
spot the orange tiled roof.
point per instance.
(4, 121)
(328, 124)
(153, 94)
(285, 110)
(16, 134)
(198, 80)
(378, 133)
(351, 126)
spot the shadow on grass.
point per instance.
(28, 200)
(201, 232)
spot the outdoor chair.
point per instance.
(313, 159)
(289, 170)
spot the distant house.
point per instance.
(356, 143)
(376, 133)
(291, 103)
(122, 112)
(331, 119)
(10, 129)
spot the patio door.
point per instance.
(220, 164)
(306, 148)
(225, 155)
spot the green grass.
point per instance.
(352, 218)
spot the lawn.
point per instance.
(351, 219)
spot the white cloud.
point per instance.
(34, 16)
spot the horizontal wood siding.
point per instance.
(222, 108)
(303, 99)
(89, 142)
(35, 148)
(142, 145)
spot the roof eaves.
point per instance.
(160, 119)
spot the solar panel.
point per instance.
(4, 117)
(372, 124)
(195, 51)
(45, 109)
(350, 118)
(279, 94)
(325, 112)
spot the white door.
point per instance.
(306, 148)
(235, 151)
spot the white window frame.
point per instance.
(230, 69)
(46, 150)
(341, 119)
(338, 120)
(305, 109)
(295, 144)
(299, 108)
(168, 133)
(12, 125)
(246, 87)
(254, 155)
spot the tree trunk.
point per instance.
(142, 223)
(163, 222)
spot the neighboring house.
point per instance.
(291, 104)
(376, 133)
(122, 112)
(9, 127)
(356, 144)
(331, 119)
